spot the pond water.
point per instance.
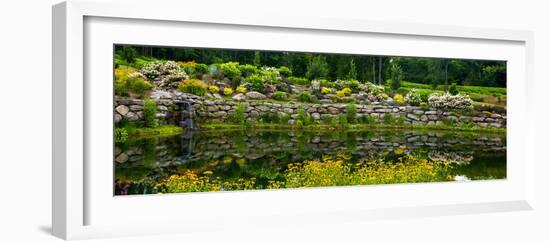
(260, 159)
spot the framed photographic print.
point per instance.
(193, 123)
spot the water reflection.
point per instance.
(265, 154)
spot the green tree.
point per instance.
(128, 54)
(257, 61)
(396, 76)
(352, 70)
(317, 68)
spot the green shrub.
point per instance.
(150, 113)
(241, 89)
(214, 89)
(201, 68)
(248, 69)
(453, 90)
(448, 121)
(193, 86)
(351, 113)
(239, 116)
(342, 120)
(298, 80)
(255, 82)
(227, 91)
(367, 119)
(326, 83)
(279, 95)
(285, 71)
(306, 97)
(389, 119)
(121, 135)
(270, 117)
(138, 86)
(284, 118)
(299, 124)
(230, 69)
(326, 90)
(327, 119)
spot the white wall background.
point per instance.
(25, 118)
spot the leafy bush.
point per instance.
(327, 83)
(279, 95)
(227, 91)
(299, 124)
(285, 71)
(269, 75)
(121, 135)
(413, 98)
(306, 97)
(270, 117)
(193, 86)
(230, 69)
(353, 84)
(201, 68)
(342, 120)
(453, 90)
(137, 86)
(367, 119)
(241, 89)
(399, 98)
(248, 69)
(150, 113)
(239, 116)
(343, 92)
(351, 112)
(298, 80)
(214, 89)
(389, 119)
(284, 118)
(447, 101)
(255, 82)
(326, 90)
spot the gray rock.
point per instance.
(263, 108)
(212, 108)
(162, 108)
(316, 116)
(136, 107)
(333, 110)
(433, 117)
(131, 116)
(122, 109)
(118, 118)
(121, 158)
(423, 118)
(413, 117)
(478, 119)
(255, 95)
(239, 97)
(217, 96)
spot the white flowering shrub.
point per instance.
(447, 101)
(371, 88)
(413, 98)
(316, 85)
(153, 70)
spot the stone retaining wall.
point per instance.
(170, 111)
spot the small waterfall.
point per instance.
(187, 116)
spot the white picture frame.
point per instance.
(77, 197)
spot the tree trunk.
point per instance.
(446, 75)
(373, 70)
(379, 70)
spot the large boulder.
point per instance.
(122, 109)
(239, 97)
(255, 95)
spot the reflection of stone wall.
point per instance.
(210, 147)
(218, 110)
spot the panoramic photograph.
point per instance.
(190, 119)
